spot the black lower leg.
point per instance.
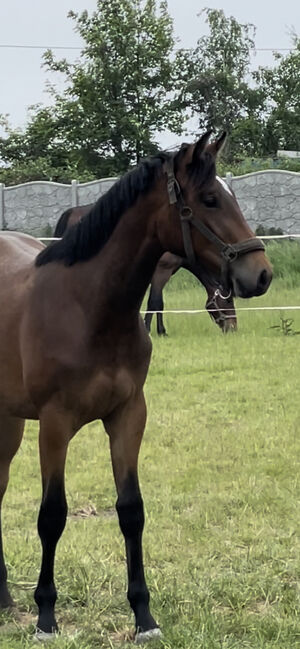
(159, 306)
(5, 598)
(51, 522)
(160, 324)
(155, 303)
(148, 320)
(131, 518)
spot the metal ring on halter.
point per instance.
(218, 293)
(186, 213)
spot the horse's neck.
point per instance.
(123, 270)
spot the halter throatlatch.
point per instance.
(229, 252)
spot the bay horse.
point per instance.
(220, 308)
(65, 377)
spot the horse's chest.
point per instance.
(105, 391)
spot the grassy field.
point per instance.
(219, 471)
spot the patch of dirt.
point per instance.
(261, 608)
(90, 510)
(16, 618)
(119, 637)
(225, 610)
(85, 512)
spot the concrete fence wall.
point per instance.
(269, 198)
(36, 207)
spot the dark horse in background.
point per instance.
(220, 308)
(96, 277)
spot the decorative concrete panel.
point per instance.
(270, 198)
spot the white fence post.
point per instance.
(74, 193)
(229, 179)
(2, 222)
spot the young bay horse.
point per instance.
(96, 278)
(220, 308)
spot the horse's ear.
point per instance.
(216, 147)
(200, 146)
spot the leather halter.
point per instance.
(229, 252)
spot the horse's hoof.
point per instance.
(145, 636)
(42, 636)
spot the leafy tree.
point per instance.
(281, 86)
(122, 92)
(221, 62)
(219, 91)
(119, 94)
(37, 153)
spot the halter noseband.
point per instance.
(229, 252)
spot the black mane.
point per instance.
(85, 239)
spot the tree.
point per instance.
(281, 85)
(37, 153)
(219, 92)
(122, 92)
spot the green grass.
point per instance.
(219, 471)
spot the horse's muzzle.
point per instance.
(250, 282)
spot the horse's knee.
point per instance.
(131, 516)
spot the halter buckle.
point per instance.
(229, 254)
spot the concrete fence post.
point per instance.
(74, 193)
(2, 220)
(229, 179)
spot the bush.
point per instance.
(249, 165)
(41, 169)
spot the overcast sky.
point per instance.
(35, 22)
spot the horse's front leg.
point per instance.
(55, 434)
(125, 429)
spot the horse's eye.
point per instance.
(210, 201)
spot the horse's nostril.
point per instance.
(263, 279)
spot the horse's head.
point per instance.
(207, 224)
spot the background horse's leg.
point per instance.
(55, 434)
(125, 429)
(149, 316)
(11, 433)
(155, 303)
